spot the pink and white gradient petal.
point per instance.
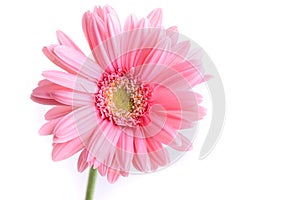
(77, 124)
(73, 98)
(58, 112)
(155, 17)
(130, 23)
(70, 81)
(82, 163)
(62, 151)
(48, 128)
(64, 40)
(81, 64)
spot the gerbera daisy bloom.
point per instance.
(127, 104)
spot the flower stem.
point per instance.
(91, 184)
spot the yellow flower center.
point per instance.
(121, 99)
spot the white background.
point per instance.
(256, 48)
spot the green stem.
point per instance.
(91, 184)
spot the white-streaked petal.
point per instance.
(81, 64)
(71, 81)
(73, 98)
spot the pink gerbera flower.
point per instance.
(125, 105)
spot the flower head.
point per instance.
(125, 105)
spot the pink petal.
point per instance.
(158, 155)
(190, 73)
(179, 101)
(181, 106)
(111, 132)
(174, 78)
(62, 151)
(173, 34)
(43, 93)
(155, 17)
(158, 116)
(101, 55)
(166, 136)
(82, 161)
(80, 63)
(137, 45)
(102, 169)
(190, 108)
(112, 175)
(130, 23)
(112, 171)
(44, 101)
(48, 128)
(178, 52)
(63, 39)
(124, 152)
(143, 23)
(60, 78)
(102, 143)
(159, 55)
(45, 89)
(99, 11)
(57, 112)
(113, 22)
(178, 120)
(141, 159)
(181, 143)
(92, 28)
(86, 26)
(96, 164)
(125, 174)
(78, 123)
(113, 48)
(169, 133)
(70, 81)
(134, 58)
(48, 51)
(153, 165)
(175, 100)
(141, 163)
(98, 27)
(73, 98)
(44, 82)
(170, 101)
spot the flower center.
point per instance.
(122, 99)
